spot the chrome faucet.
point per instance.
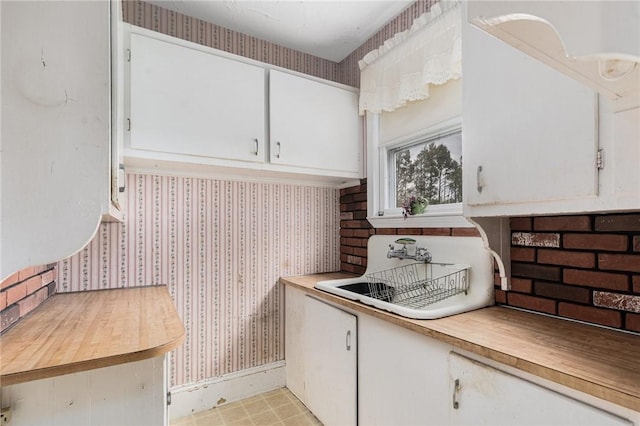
(421, 254)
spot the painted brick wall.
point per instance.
(584, 267)
(355, 230)
(24, 291)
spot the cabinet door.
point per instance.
(313, 125)
(330, 363)
(401, 378)
(55, 128)
(529, 133)
(187, 101)
(487, 396)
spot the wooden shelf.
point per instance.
(74, 332)
(594, 360)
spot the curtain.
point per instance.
(401, 70)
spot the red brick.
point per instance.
(354, 260)
(26, 273)
(523, 254)
(3, 300)
(535, 239)
(343, 207)
(531, 302)
(521, 223)
(344, 232)
(501, 296)
(465, 232)
(361, 233)
(353, 242)
(360, 214)
(410, 231)
(436, 231)
(590, 314)
(636, 283)
(352, 207)
(567, 258)
(619, 262)
(354, 269)
(16, 293)
(31, 302)
(347, 249)
(387, 231)
(48, 277)
(618, 222)
(636, 243)
(562, 292)
(562, 223)
(609, 242)
(343, 192)
(360, 224)
(33, 284)
(632, 322)
(520, 285)
(595, 279)
(618, 301)
(526, 270)
(360, 251)
(346, 216)
(9, 281)
(353, 190)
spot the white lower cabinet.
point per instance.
(483, 395)
(130, 394)
(330, 363)
(405, 378)
(400, 380)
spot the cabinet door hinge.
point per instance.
(600, 159)
(168, 398)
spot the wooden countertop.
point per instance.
(600, 362)
(74, 332)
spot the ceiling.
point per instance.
(323, 28)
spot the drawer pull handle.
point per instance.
(255, 140)
(348, 340)
(456, 391)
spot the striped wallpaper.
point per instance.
(220, 247)
(175, 24)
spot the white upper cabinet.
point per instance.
(56, 123)
(190, 102)
(196, 108)
(536, 141)
(314, 124)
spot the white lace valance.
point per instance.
(401, 70)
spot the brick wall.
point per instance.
(584, 267)
(24, 291)
(355, 229)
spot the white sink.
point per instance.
(461, 267)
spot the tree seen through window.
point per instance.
(428, 170)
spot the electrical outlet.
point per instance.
(5, 415)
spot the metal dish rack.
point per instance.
(419, 284)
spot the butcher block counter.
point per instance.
(600, 362)
(74, 332)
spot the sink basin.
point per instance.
(458, 279)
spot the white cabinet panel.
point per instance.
(400, 380)
(487, 396)
(186, 101)
(529, 133)
(313, 124)
(55, 128)
(330, 363)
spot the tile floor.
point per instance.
(279, 408)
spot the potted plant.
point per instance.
(414, 205)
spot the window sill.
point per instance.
(426, 220)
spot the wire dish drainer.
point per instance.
(419, 284)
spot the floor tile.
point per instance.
(275, 408)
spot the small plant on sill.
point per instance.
(414, 205)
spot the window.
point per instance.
(430, 168)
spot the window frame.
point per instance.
(378, 172)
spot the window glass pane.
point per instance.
(431, 169)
